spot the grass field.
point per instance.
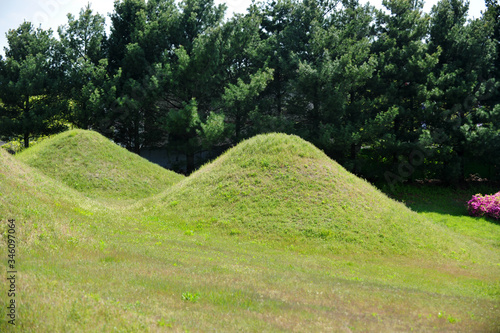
(272, 236)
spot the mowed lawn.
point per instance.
(194, 256)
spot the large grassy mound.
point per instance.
(281, 187)
(92, 164)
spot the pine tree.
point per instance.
(30, 80)
(85, 64)
(400, 88)
(462, 81)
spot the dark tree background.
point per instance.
(392, 95)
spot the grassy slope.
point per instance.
(280, 187)
(55, 224)
(447, 207)
(44, 207)
(92, 164)
(87, 267)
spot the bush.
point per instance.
(17, 145)
(487, 205)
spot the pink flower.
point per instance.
(487, 205)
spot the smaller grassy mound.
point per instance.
(44, 209)
(95, 166)
(281, 187)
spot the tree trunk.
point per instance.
(26, 140)
(397, 125)
(278, 94)
(137, 138)
(189, 162)
(353, 157)
(26, 112)
(237, 126)
(353, 151)
(461, 161)
(316, 111)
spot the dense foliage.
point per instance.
(485, 205)
(396, 94)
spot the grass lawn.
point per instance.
(271, 237)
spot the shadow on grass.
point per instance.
(436, 198)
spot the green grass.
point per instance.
(448, 207)
(279, 187)
(93, 165)
(175, 262)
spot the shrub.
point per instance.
(17, 145)
(487, 205)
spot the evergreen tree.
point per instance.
(30, 81)
(463, 79)
(400, 88)
(244, 76)
(141, 37)
(285, 32)
(331, 79)
(83, 41)
(191, 79)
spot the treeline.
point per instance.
(393, 94)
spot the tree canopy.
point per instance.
(393, 95)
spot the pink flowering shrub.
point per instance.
(485, 205)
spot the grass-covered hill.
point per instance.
(43, 208)
(92, 164)
(280, 187)
(183, 261)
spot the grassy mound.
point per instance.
(282, 187)
(44, 209)
(92, 164)
(86, 266)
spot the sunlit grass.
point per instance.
(448, 207)
(280, 188)
(174, 264)
(93, 165)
